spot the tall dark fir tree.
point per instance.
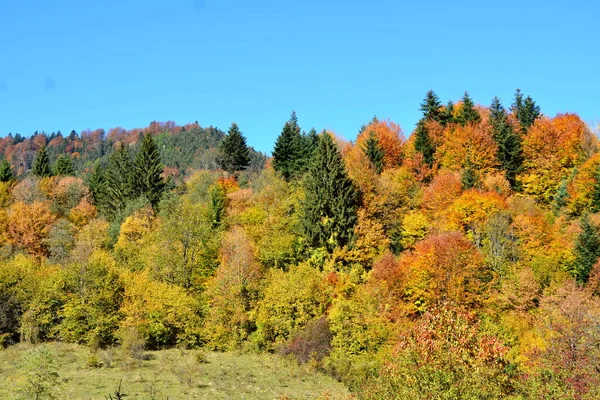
(587, 250)
(432, 107)
(467, 112)
(147, 179)
(63, 166)
(374, 152)
(424, 144)
(6, 172)
(289, 151)
(331, 202)
(526, 111)
(235, 155)
(118, 178)
(510, 152)
(41, 164)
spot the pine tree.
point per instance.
(218, 205)
(330, 205)
(596, 192)
(235, 155)
(374, 152)
(467, 113)
(559, 200)
(510, 153)
(119, 181)
(41, 164)
(587, 250)
(96, 182)
(63, 166)
(431, 107)
(448, 114)
(310, 144)
(423, 143)
(525, 110)
(469, 178)
(6, 172)
(148, 180)
(289, 151)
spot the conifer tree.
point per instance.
(6, 172)
(310, 144)
(148, 180)
(559, 200)
(96, 182)
(63, 166)
(510, 154)
(289, 152)
(119, 181)
(525, 110)
(41, 164)
(374, 152)
(467, 113)
(469, 178)
(330, 205)
(596, 192)
(448, 113)
(431, 107)
(423, 143)
(235, 155)
(587, 250)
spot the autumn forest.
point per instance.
(456, 261)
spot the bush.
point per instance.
(313, 342)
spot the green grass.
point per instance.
(171, 374)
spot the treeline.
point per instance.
(460, 262)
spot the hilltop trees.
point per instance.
(6, 172)
(41, 165)
(510, 153)
(293, 149)
(329, 210)
(525, 110)
(147, 177)
(467, 112)
(235, 155)
(63, 166)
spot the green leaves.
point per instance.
(235, 155)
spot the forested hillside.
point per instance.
(457, 261)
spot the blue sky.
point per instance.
(68, 64)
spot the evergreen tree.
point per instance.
(374, 152)
(235, 155)
(41, 164)
(96, 182)
(525, 110)
(431, 107)
(424, 144)
(218, 205)
(469, 178)
(510, 153)
(6, 172)
(330, 205)
(467, 113)
(310, 144)
(148, 180)
(63, 166)
(289, 152)
(596, 192)
(560, 197)
(448, 113)
(587, 250)
(119, 181)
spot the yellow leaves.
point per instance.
(474, 142)
(83, 213)
(415, 227)
(135, 227)
(29, 225)
(582, 186)
(472, 209)
(370, 240)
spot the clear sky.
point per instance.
(73, 64)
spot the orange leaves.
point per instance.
(551, 149)
(581, 188)
(29, 225)
(471, 210)
(390, 138)
(442, 191)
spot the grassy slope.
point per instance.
(174, 374)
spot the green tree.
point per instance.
(467, 113)
(96, 182)
(41, 164)
(218, 205)
(118, 178)
(448, 113)
(288, 154)
(63, 166)
(6, 172)
(431, 107)
(374, 152)
(39, 371)
(235, 155)
(510, 152)
(596, 192)
(525, 110)
(424, 144)
(469, 178)
(147, 178)
(587, 250)
(330, 205)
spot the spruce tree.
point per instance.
(6, 172)
(96, 182)
(595, 207)
(310, 144)
(525, 110)
(424, 144)
(469, 178)
(510, 153)
(374, 152)
(119, 181)
(587, 250)
(63, 166)
(289, 152)
(467, 113)
(148, 180)
(559, 199)
(41, 164)
(330, 205)
(431, 107)
(235, 155)
(448, 113)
